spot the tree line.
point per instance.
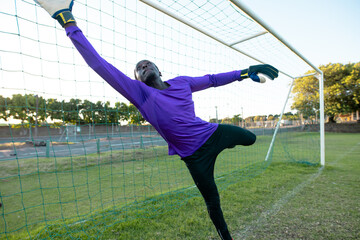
(341, 96)
(237, 119)
(36, 109)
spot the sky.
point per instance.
(324, 31)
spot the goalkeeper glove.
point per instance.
(253, 71)
(58, 9)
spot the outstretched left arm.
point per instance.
(213, 80)
(216, 80)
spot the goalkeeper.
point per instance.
(169, 107)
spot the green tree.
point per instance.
(107, 114)
(4, 108)
(213, 120)
(87, 112)
(128, 113)
(287, 116)
(18, 108)
(236, 119)
(227, 120)
(341, 91)
(123, 111)
(342, 88)
(135, 115)
(53, 109)
(260, 118)
(70, 110)
(249, 119)
(30, 108)
(306, 99)
(36, 108)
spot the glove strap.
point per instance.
(244, 73)
(65, 17)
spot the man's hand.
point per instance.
(265, 69)
(58, 9)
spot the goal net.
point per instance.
(76, 157)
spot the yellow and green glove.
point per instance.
(58, 9)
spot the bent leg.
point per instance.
(230, 136)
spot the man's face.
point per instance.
(146, 71)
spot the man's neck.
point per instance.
(158, 84)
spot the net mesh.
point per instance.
(77, 158)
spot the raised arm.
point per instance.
(135, 91)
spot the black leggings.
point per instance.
(201, 166)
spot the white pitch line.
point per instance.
(264, 216)
(344, 155)
(277, 206)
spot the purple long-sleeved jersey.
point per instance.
(170, 111)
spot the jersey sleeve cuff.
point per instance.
(72, 29)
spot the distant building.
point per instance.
(347, 118)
